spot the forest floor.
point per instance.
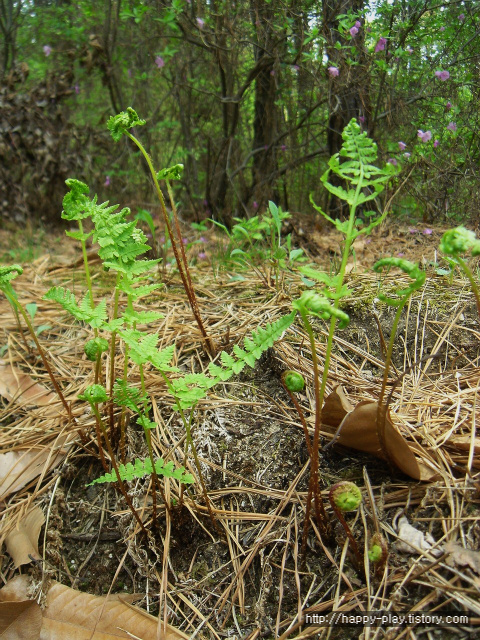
(245, 576)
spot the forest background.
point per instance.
(250, 95)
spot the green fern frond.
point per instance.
(7, 274)
(143, 468)
(142, 317)
(259, 341)
(127, 396)
(358, 153)
(95, 316)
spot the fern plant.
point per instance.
(363, 181)
(140, 469)
(119, 126)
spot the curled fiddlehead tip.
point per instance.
(119, 124)
(459, 240)
(314, 304)
(377, 550)
(345, 496)
(95, 347)
(94, 394)
(75, 202)
(9, 272)
(407, 267)
(171, 173)
(293, 381)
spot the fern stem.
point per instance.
(188, 290)
(113, 346)
(85, 263)
(148, 438)
(381, 408)
(115, 466)
(190, 442)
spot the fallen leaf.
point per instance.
(22, 542)
(73, 615)
(18, 468)
(411, 539)
(462, 557)
(356, 428)
(20, 620)
(20, 387)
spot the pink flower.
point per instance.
(272, 72)
(255, 204)
(362, 119)
(107, 181)
(436, 143)
(412, 230)
(47, 50)
(353, 31)
(202, 239)
(442, 75)
(296, 67)
(461, 17)
(202, 255)
(380, 45)
(160, 62)
(407, 155)
(442, 28)
(392, 161)
(400, 254)
(452, 126)
(424, 136)
(427, 232)
(184, 240)
(333, 71)
(201, 23)
(409, 50)
(402, 146)
(358, 24)
(448, 106)
(283, 147)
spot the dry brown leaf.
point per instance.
(18, 468)
(72, 615)
(462, 557)
(18, 386)
(411, 539)
(22, 542)
(20, 620)
(356, 429)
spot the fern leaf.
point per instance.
(143, 468)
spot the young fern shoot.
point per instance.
(418, 277)
(119, 125)
(363, 183)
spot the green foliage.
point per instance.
(313, 304)
(7, 274)
(119, 124)
(354, 166)
(171, 173)
(94, 394)
(96, 317)
(294, 381)
(407, 267)
(143, 468)
(258, 342)
(93, 348)
(459, 240)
